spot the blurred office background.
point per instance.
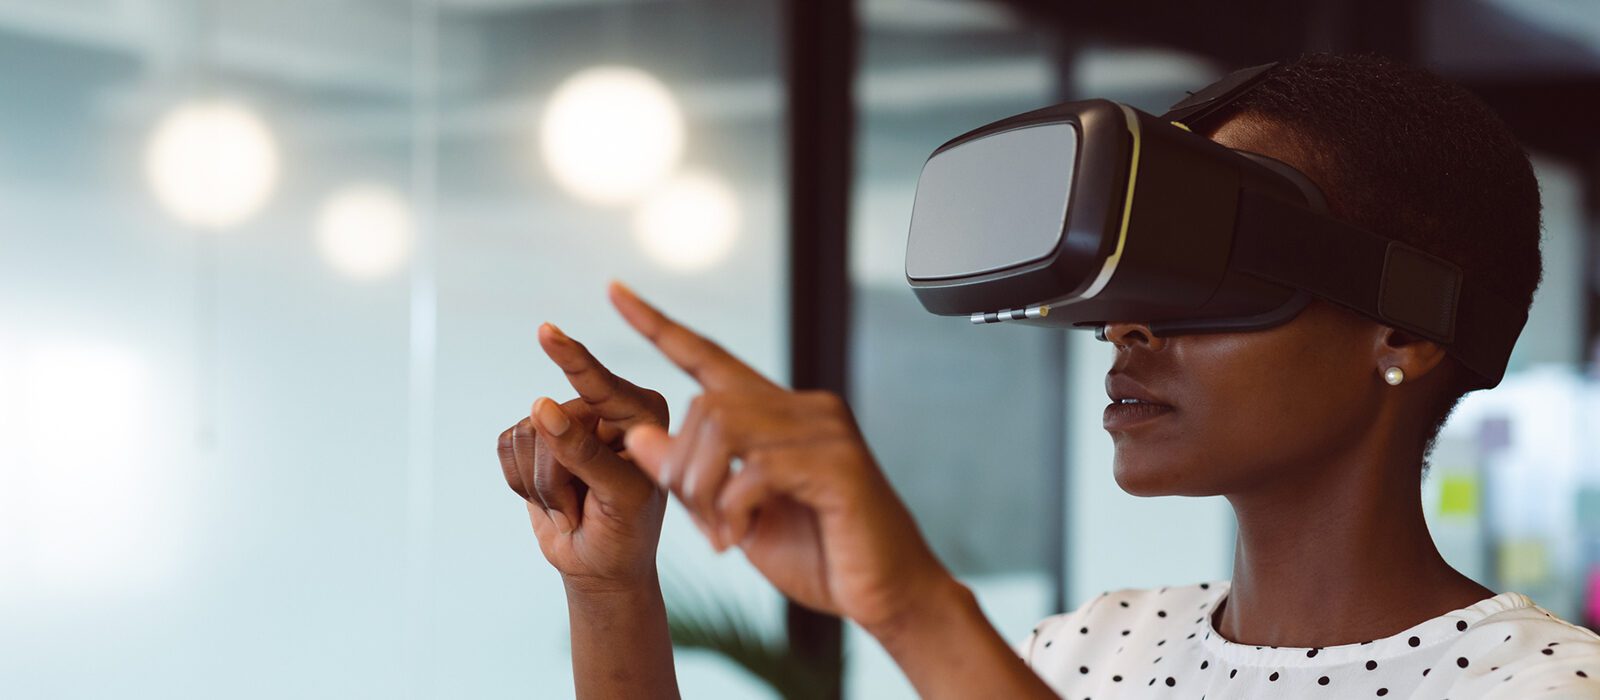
(270, 272)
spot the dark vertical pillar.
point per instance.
(1064, 50)
(1590, 342)
(819, 54)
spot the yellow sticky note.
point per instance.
(1458, 494)
(1523, 562)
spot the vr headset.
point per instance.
(1091, 212)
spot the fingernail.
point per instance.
(556, 330)
(625, 289)
(563, 523)
(726, 533)
(551, 416)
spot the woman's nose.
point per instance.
(1123, 335)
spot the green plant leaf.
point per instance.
(699, 618)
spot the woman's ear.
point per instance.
(1417, 357)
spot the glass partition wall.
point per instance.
(270, 273)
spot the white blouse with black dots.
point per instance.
(1162, 643)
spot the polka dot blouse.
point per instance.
(1163, 643)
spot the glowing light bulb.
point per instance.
(212, 164)
(610, 133)
(364, 230)
(690, 223)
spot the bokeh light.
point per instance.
(690, 223)
(610, 133)
(364, 230)
(212, 164)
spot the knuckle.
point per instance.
(522, 432)
(693, 490)
(545, 471)
(744, 491)
(830, 405)
(657, 404)
(715, 418)
(828, 400)
(541, 470)
(703, 499)
(544, 480)
(756, 461)
(653, 403)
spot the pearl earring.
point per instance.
(1394, 375)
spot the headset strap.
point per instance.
(1209, 100)
(1379, 277)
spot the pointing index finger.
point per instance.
(710, 365)
(610, 396)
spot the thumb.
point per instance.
(572, 450)
(648, 445)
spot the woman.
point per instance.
(1317, 431)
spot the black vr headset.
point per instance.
(1090, 212)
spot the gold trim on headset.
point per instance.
(1110, 266)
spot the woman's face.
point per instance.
(1249, 408)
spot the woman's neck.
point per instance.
(1339, 554)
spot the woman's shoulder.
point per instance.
(1122, 613)
(1523, 651)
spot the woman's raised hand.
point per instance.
(806, 502)
(596, 515)
(783, 475)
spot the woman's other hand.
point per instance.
(809, 506)
(596, 515)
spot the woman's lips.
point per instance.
(1125, 416)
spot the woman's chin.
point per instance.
(1140, 477)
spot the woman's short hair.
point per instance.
(1409, 155)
